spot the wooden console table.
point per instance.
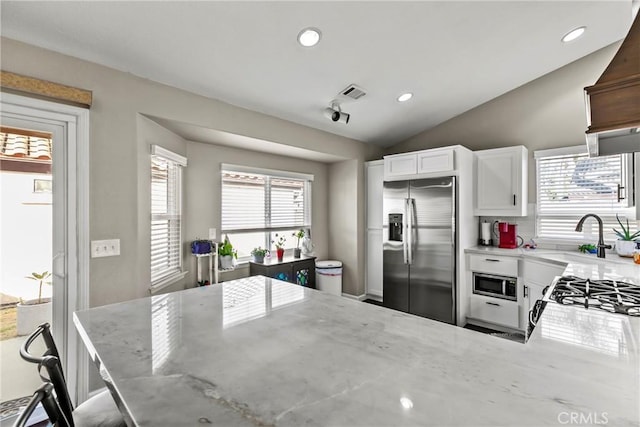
(301, 271)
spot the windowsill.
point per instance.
(562, 244)
(239, 266)
(167, 281)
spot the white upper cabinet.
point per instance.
(501, 181)
(420, 164)
(437, 160)
(400, 165)
(375, 181)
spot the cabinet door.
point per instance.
(494, 310)
(501, 182)
(537, 276)
(435, 161)
(400, 165)
(374, 263)
(304, 273)
(375, 182)
(282, 272)
(532, 293)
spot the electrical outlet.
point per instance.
(104, 248)
(212, 234)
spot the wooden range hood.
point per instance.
(613, 103)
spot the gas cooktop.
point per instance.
(608, 295)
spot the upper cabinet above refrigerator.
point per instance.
(420, 164)
(501, 181)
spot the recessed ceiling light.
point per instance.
(573, 34)
(405, 97)
(309, 37)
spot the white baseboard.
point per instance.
(356, 297)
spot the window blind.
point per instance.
(256, 202)
(571, 185)
(166, 215)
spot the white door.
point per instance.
(68, 127)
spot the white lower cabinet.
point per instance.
(537, 276)
(498, 265)
(494, 310)
(490, 309)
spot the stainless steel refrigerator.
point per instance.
(419, 238)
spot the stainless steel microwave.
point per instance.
(495, 286)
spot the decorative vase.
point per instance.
(280, 253)
(625, 248)
(296, 252)
(258, 258)
(29, 315)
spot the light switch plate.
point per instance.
(212, 234)
(104, 248)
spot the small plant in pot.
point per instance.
(258, 254)
(298, 235)
(31, 313)
(625, 245)
(227, 254)
(588, 248)
(279, 244)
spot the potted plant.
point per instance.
(258, 254)
(625, 245)
(588, 248)
(298, 235)
(31, 313)
(279, 244)
(227, 254)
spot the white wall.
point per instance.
(203, 190)
(25, 234)
(118, 154)
(548, 112)
(347, 223)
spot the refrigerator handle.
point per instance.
(405, 252)
(410, 232)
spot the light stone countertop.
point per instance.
(260, 352)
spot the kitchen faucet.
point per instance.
(601, 245)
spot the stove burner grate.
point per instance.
(609, 295)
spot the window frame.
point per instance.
(269, 231)
(170, 275)
(627, 181)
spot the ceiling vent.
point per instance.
(353, 92)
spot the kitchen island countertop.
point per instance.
(258, 351)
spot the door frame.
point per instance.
(75, 121)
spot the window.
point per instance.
(166, 216)
(258, 203)
(570, 184)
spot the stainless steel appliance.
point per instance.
(616, 297)
(419, 242)
(495, 286)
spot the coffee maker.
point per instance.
(508, 235)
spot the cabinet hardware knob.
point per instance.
(492, 260)
(514, 200)
(493, 303)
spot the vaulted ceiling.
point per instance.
(452, 55)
